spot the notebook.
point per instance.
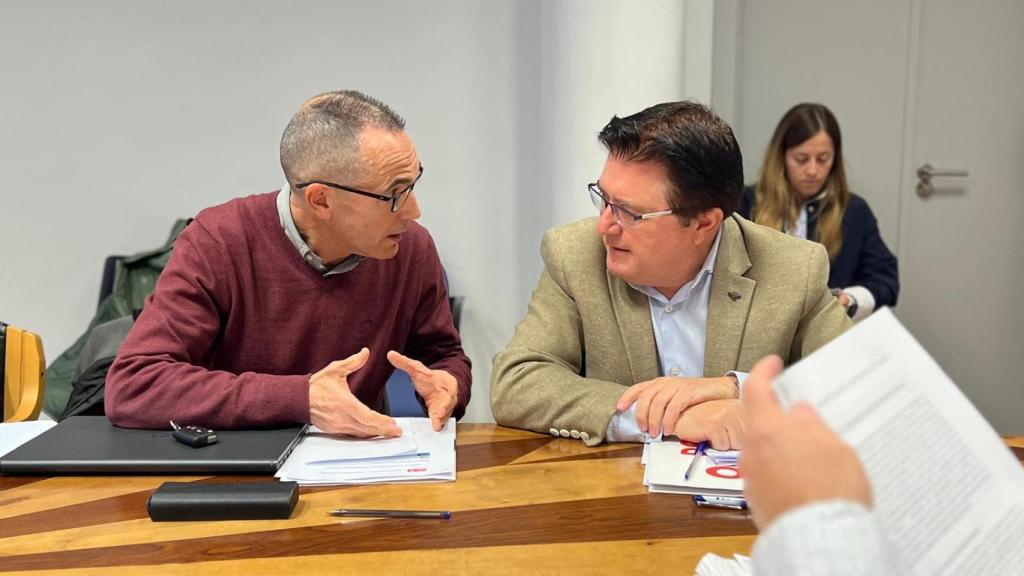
(92, 445)
(716, 473)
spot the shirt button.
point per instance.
(669, 309)
(554, 431)
(584, 436)
(675, 371)
(574, 433)
(564, 433)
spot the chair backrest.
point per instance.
(22, 372)
(107, 281)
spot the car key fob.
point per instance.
(194, 436)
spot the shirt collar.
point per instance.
(705, 272)
(812, 203)
(284, 212)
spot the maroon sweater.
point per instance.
(239, 321)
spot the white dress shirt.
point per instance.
(680, 325)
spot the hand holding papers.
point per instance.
(947, 491)
(792, 458)
(420, 454)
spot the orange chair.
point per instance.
(22, 372)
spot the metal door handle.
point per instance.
(925, 174)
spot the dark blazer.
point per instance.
(863, 259)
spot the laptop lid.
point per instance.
(92, 445)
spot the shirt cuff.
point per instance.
(837, 537)
(623, 428)
(865, 301)
(741, 377)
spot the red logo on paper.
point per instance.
(689, 448)
(727, 472)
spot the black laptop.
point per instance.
(92, 445)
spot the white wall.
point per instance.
(118, 116)
(773, 54)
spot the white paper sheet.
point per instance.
(948, 493)
(419, 455)
(14, 434)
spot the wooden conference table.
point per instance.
(523, 503)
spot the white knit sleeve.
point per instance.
(834, 537)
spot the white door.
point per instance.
(962, 248)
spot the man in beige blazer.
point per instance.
(647, 318)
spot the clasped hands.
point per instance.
(693, 409)
(335, 410)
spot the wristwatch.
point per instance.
(851, 308)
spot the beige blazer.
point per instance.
(588, 335)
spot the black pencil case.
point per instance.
(176, 501)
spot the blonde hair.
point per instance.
(777, 205)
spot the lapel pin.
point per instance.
(735, 296)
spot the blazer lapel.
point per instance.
(633, 315)
(728, 303)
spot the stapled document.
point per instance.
(420, 454)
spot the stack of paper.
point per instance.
(714, 565)
(667, 460)
(14, 434)
(419, 455)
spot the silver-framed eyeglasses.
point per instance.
(397, 199)
(624, 217)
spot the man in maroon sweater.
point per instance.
(295, 306)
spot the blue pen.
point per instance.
(701, 448)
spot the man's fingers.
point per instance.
(377, 424)
(673, 411)
(406, 364)
(643, 405)
(656, 411)
(352, 363)
(630, 395)
(439, 409)
(806, 414)
(687, 430)
(438, 415)
(758, 397)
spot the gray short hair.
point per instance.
(324, 134)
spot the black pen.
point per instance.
(436, 514)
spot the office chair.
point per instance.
(22, 373)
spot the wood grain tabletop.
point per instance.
(523, 503)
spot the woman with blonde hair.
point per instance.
(802, 191)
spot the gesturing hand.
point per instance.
(780, 442)
(439, 389)
(335, 410)
(659, 402)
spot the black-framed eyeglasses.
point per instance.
(398, 199)
(624, 217)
